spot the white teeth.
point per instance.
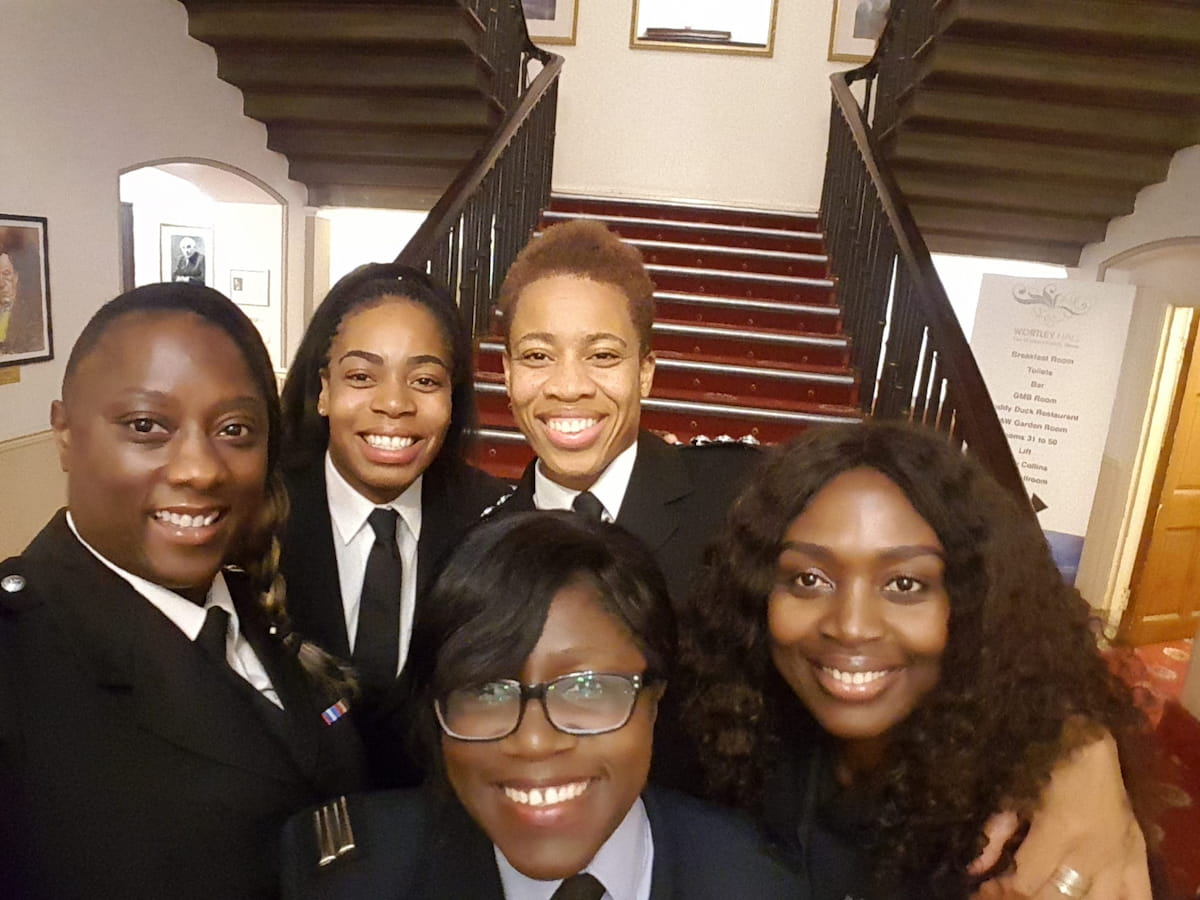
(181, 520)
(570, 426)
(546, 796)
(854, 677)
(389, 441)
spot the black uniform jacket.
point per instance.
(453, 494)
(676, 500)
(132, 765)
(415, 846)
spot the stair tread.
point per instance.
(798, 280)
(765, 304)
(617, 220)
(672, 326)
(680, 205)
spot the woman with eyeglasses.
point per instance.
(541, 664)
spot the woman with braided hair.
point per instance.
(377, 406)
(888, 656)
(156, 726)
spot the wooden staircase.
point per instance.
(378, 104)
(1020, 128)
(747, 332)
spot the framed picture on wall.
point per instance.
(26, 332)
(856, 26)
(250, 287)
(551, 21)
(746, 27)
(186, 253)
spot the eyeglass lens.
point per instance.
(580, 703)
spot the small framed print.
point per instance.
(186, 254)
(250, 287)
(856, 27)
(551, 21)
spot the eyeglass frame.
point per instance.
(537, 692)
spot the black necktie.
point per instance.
(589, 507)
(211, 638)
(582, 886)
(377, 641)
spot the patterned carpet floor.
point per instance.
(1156, 672)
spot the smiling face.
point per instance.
(387, 394)
(858, 618)
(575, 376)
(596, 778)
(163, 435)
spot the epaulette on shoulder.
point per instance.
(723, 442)
(16, 594)
(500, 501)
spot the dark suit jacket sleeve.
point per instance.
(702, 851)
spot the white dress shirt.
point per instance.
(623, 864)
(352, 542)
(189, 618)
(609, 488)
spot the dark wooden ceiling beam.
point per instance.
(1072, 124)
(1015, 191)
(419, 26)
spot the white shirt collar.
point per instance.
(186, 615)
(609, 488)
(623, 864)
(348, 509)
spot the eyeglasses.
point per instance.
(581, 703)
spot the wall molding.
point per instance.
(26, 440)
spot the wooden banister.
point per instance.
(910, 351)
(473, 233)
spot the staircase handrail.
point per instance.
(936, 381)
(448, 209)
(438, 246)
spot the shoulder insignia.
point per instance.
(335, 837)
(16, 593)
(499, 503)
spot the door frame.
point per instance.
(1174, 350)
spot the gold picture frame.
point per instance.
(551, 21)
(745, 28)
(850, 16)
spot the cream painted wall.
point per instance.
(676, 125)
(1167, 212)
(91, 89)
(33, 487)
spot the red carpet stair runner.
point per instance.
(747, 332)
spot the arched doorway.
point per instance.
(206, 222)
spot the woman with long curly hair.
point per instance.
(888, 656)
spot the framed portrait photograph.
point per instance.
(26, 330)
(856, 27)
(250, 287)
(551, 21)
(186, 253)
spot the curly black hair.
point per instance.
(1020, 664)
